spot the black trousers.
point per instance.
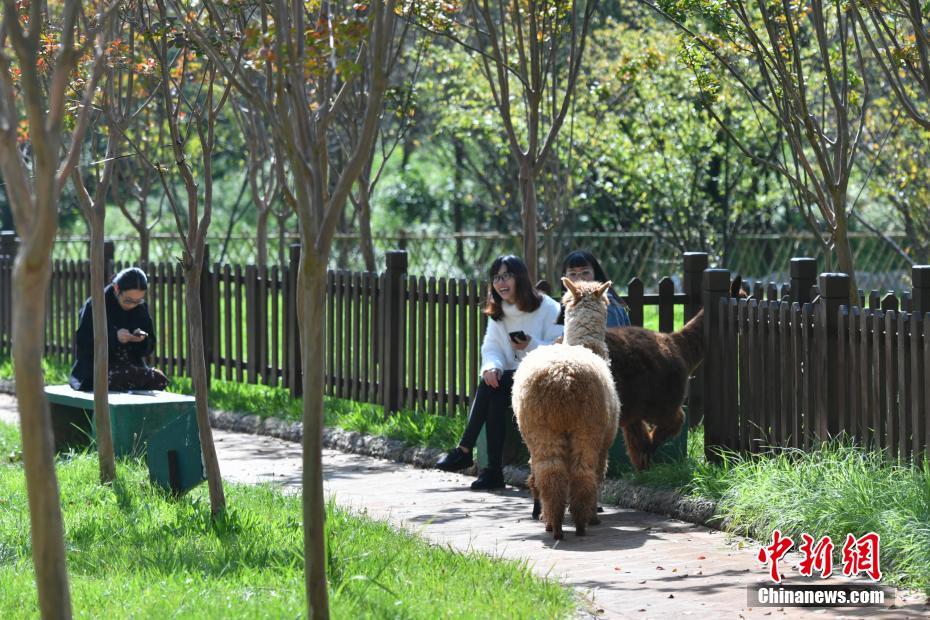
(491, 407)
(128, 374)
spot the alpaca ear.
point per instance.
(570, 286)
(604, 288)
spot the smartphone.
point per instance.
(519, 336)
(139, 332)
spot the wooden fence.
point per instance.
(789, 366)
(391, 338)
(784, 372)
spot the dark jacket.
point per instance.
(82, 373)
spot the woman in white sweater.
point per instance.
(521, 319)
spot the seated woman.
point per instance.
(131, 338)
(582, 266)
(522, 319)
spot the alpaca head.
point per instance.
(586, 314)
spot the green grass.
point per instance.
(55, 371)
(134, 552)
(833, 490)
(414, 427)
(9, 444)
(651, 317)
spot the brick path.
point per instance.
(634, 565)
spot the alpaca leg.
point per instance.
(583, 484)
(601, 471)
(552, 482)
(637, 441)
(534, 492)
(666, 428)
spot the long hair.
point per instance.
(528, 299)
(583, 258)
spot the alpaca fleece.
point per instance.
(567, 409)
(651, 371)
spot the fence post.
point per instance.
(920, 291)
(716, 285)
(8, 243)
(393, 313)
(803, 277)
(206, 309)
(834, 292)
(294, 373)
(694, 265)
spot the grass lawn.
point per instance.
(135, 552)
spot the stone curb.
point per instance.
(615, 492)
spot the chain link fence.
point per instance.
(623, 255)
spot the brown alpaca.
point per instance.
(651, 371)
(567, 409)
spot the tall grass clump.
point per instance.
(136, 552)
(833, 490)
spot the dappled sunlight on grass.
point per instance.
(134, 551)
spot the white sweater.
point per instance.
(540, 325)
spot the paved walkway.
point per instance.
(634, 565)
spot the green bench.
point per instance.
(515, 452)
(160, 425)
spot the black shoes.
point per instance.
(488, 480)
(455, 459)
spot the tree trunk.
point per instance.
(457, 206)
(198, 369)
(261, 232)
(312, 277)
(145, 238)
(30, 281)
(844, 257)
(282, 241)
(101, 350)
(364, 228)
(529, 213)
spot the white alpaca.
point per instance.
(567, 408)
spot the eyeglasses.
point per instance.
(582, 273)
(502, 277)
(129, 301)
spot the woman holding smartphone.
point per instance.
(522, 319)
(131, 338)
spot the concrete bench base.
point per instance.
(160, 425)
